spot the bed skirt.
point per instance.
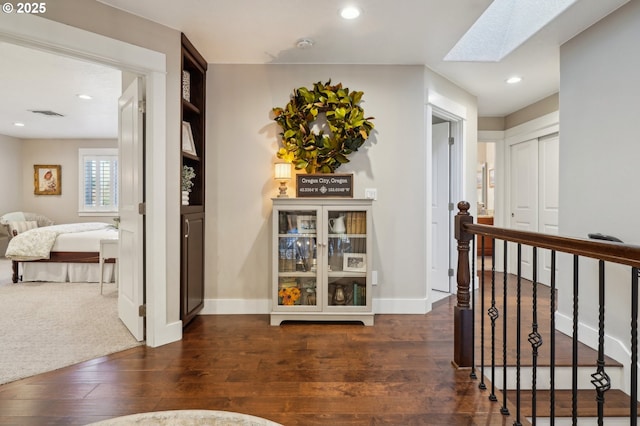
(67, 272)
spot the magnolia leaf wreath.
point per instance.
(314, 150)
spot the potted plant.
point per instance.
(314, 150)
(188, 174)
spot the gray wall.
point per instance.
(600, 151)
(242, 142)
(10, 174)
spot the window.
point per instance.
(98, 181)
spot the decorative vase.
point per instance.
(185, 198)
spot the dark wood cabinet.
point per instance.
(488, 242)
(193, 152)
(192, 266)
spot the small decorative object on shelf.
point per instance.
(283, 174)
(188, 174)
(186, 86)
(289, 295)
(310, 112)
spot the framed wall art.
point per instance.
(47, 179)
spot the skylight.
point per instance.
(504, 26)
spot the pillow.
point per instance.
(42, 220)
(11, 217)
(19, 226)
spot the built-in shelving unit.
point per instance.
(193, 148)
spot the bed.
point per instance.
(60, 253)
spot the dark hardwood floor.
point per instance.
(397, 372)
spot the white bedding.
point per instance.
(36, 244)
(85, 239)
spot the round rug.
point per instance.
(188, 418)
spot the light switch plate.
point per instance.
(371, 193)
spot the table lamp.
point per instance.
(283, 174)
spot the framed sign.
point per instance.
(47, 180)
(324, 185)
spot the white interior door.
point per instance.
(534, 198)
(549, 169)
(441, 215)
(131, 194)
(524, 197)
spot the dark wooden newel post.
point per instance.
(462, 314)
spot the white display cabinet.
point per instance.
(322, 252)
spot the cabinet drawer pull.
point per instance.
(188, 229)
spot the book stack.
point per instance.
(356, 222)
(359, 294)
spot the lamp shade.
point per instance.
(283, 171)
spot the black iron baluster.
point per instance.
(493, 314)
(552, 342)
(534, 337)
(504, 410)
(482, 385)
(634, 347)
(473, 374)
(574, 367)
(518, 320)
(601, 379)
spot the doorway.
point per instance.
(53, 36)
(441, 222)
(445, 171)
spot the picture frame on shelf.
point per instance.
(188, 146)
(492, 178)
(306, 224)
(47, 179)
(354, 262)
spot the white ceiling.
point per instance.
(36, 80)
(406, 32)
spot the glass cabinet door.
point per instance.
(297, 268)
(346, 260)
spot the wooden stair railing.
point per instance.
(464, 316)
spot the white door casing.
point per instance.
(131, 230)
(441, 216)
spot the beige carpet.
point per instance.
(46, 326)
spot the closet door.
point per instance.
(534, 166)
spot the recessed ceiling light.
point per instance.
(85, 97)
(18, 124)
(514, 80)
(350, 12)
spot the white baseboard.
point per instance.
(236, 306)
(263, 306)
